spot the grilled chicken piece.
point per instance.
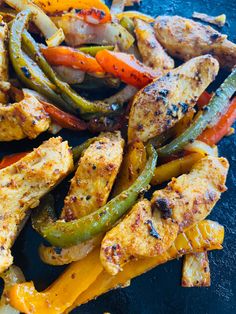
(95, 175)
(24, 183)
(184, 38)
(191, 197)
(140, 233)
(26, 118)
(159, 105)
(152, 53)
(89, 190)
(151, 227)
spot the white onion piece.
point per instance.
(78, 32)
(69, 75)
(122, 96)
(202, 148)
(41, 20)
(117, 6)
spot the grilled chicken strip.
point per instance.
(94, 177)
(152, 53)
(24, 183)
(151, 227)
(161, 104)
(26, 118)
(89, 190)
(184, 38)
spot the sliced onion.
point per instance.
(122, 96)
(78, 32)
(117, 6)
(70, 75)
(202, 148)
(53, 35)
(135, 14)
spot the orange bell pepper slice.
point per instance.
(93, 11)
(62, 293)
(73, 58)
(11, 159)
(213, 135)
(126, 67)
(64, 119)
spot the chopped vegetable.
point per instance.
(92, 11)
(128, 24)
(28, 71)
(70, 57)
(10, 277)
(126, 67)
(133, 163)
(122, 96)
(213, 135)
(175, 168)
(4, 77)
(215, 109)
(216, 20)
(78, 33)
(206, 235)
(64, 119)
(117, 6)
(93, 50)
(62, 293)
(64, 234)
(201, 148)
(41, 20)
(11, 159)
(204, 99)
(137, 15)
(196, 271)
(69, 75)
(74, 100)
(65, 293)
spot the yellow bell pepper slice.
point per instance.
(86, 279)
(54, 6)
(135, 14)
(62, 293)
(175, 168)
(210, 236)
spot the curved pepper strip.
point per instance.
(27, 70)
(214, 110)
(93, 11)
(64, 234)
(65, 293)
(75, 101)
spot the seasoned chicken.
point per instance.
(191, 197)
(196, 270)
(26, 118)
(140, 233)
(152, 53)
(24, 183)
(94, 177)
(161, 104)
(4, 84)
(184, 39)
(89, 190)
(151, 227)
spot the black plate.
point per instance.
(159, 290)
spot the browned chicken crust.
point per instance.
(152, 52)
(191, 197)
(161, 104)
(94, 177)
(24, 183)
(151, 227)
(26, 118)
(184, 39)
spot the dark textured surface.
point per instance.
(159, 290)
